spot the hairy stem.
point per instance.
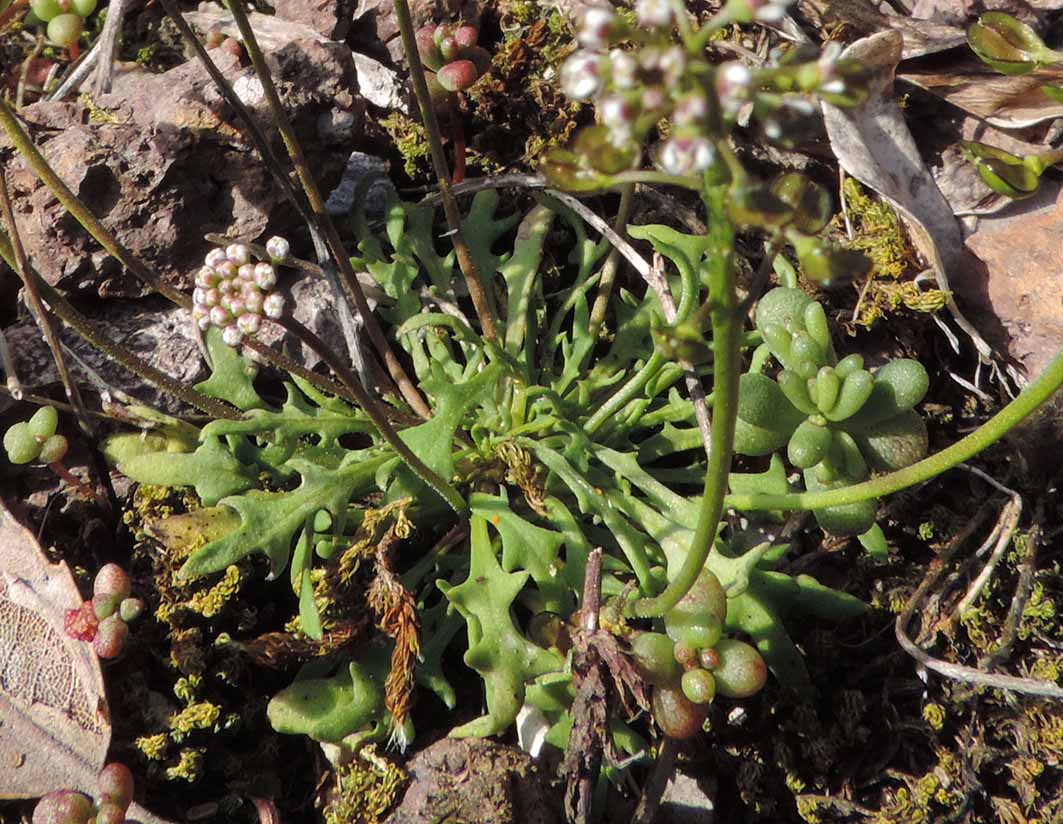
(317, 205)
(473, 279)
(986, 435)
(726, 340)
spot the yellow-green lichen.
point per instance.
(189, 766)
(210, 602)
(153, 747)
(934, 715)
(364, 791)
(200, 716)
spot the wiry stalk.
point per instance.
(317, 205)
(473, 278)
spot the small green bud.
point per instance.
(54, 449)
(44, 422)
(20, 445)
(699, 687)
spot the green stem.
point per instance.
(986, 435)
(726, 338)
(473, 279)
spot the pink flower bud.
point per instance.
(581, 75)
(226, 270)
(232, 336)
(691, 110)
(211, 297)
(246, 272)
(623, 70)
(265, 276)
(278, 248)
(253, 301)
(734, 86)
(219, 316)
(273, 306)
(237, 306)
(238, 253)
(653, 14)
(206, 278)
(216, 257)
(597, 27)
(685, 155)
(249, 323)
(199, 295)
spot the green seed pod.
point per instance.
(895, 443)
(65, 29)
(116, 785)
(741, 671)
(696, 636)
(856, 389)
(796, 390)
(848, 364)
(899, 386)
(130, 609)
(54, 449)
(63, 807)
(705, 599)
(654, 655)
(43, 423)
(675, 714)
(816, 325)
(20, 445)
(828, 384)
(808, 445)
(46, 9)
(699, 687)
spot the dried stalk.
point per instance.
(321, 217)
(473, 279)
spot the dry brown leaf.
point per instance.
(919, 36)
(1008, 102)
(54, 723)
(873, 144)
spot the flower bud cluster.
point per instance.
(234, 292)
(638, 76)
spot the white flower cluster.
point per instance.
(234, 293)
(633, 89)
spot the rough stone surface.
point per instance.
(332, 18)
(161, 162)
(474, 780)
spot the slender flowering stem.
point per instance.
(473, 278)
(986, 435)
(324, 222)
(726, 344)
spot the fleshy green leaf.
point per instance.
(211, 469)
(232, 376)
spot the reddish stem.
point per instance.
(75, 51)
(72, 480)
(457, 137)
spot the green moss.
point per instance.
(209, 603)
(189, 766)
(201, 716)
(411, 140)
(880, 235)
(365, 790)
(153, 747)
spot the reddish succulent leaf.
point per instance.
(54, 723)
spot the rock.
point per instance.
(332, 18)
(476, 780)
(161, 162)
(685, 802)
(379, 84)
